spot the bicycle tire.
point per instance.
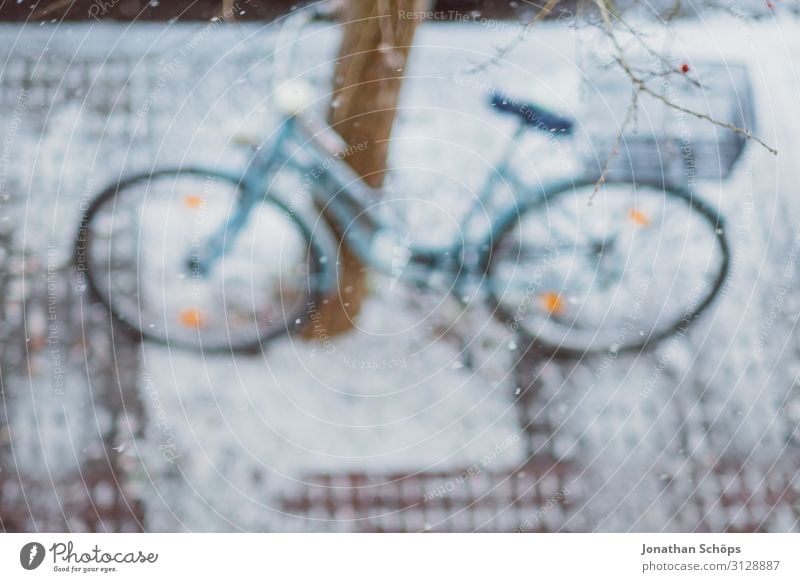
(318, 250)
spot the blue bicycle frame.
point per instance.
(342, 195)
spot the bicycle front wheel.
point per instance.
(582, 271)
(136, 242)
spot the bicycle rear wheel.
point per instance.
(635, 266)
(136, 245)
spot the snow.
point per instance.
(234, 434)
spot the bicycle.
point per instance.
(221, 260)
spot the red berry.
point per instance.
(684, 68)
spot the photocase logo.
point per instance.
(31, 555)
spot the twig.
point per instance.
(632, 108)
(653, 53)
(727, 125)
(514, 42)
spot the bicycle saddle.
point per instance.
(532, 114)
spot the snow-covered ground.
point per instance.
(227, 437)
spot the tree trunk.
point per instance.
(369, 72)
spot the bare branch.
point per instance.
(629, 116)
(505, 49)
(732, 127)
(641, 84)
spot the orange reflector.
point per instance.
(193, 201)
(551, 302)
(639, 218)
(192, 318)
